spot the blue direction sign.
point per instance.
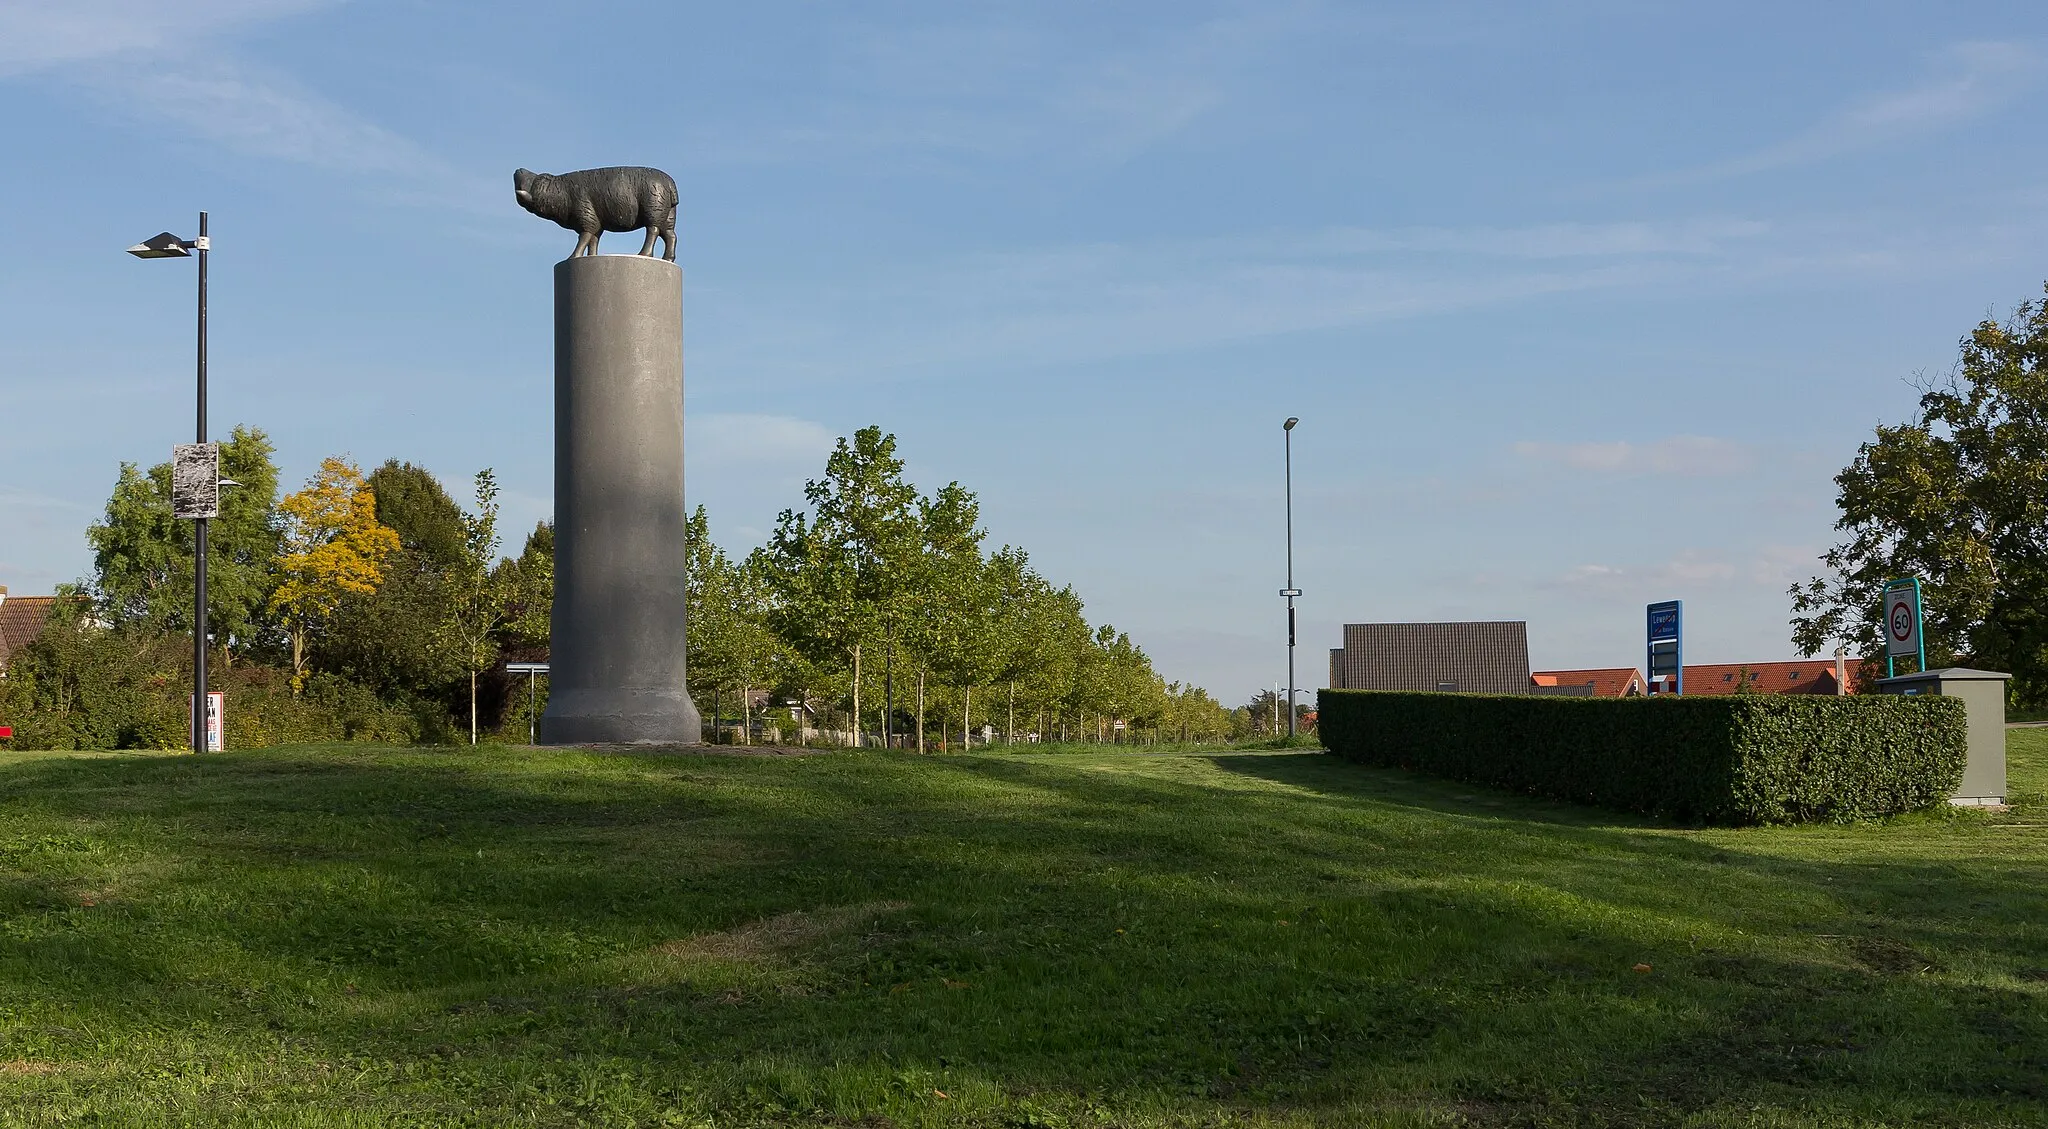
(1667, 647)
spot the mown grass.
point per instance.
(341, 936)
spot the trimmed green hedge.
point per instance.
(1743, 758)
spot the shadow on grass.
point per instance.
(1075, 938)
(1321, 773)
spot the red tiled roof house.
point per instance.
(1600, 682)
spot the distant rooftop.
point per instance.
(1606, 682)
(1474, 657)
(21, 620)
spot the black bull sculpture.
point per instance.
(594, 201)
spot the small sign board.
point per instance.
(195, 481)
(1902, 635)
(1666, 639)
(6, 732)
(216, 721)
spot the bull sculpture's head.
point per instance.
(522, 187)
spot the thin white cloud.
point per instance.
(174, 64)
(38, 34)
(730, 440)
(1555, 240)
(1093, 301)
(1768, 567)
(1966, 81)
(1689, 567)
(1013, 85)
(1086, 302)
(1689, 456)
(258, 111)
(28, 500)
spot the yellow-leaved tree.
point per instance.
(333, 546)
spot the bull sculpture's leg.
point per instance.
(668, 237)
(647, 246)
(583, 244)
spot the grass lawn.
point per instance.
(349, 936)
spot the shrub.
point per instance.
(83, 686)
(1737, 759)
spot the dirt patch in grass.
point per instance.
(20, 1067)
(1888, 954)
(774, 936)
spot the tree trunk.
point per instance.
(856, 695)
(715, 703)
(920, 710)
(472, 707)
(746, 722)
(966, 718)
(1010, 738)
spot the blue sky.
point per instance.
(1581, 304)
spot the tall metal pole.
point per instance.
(199, 531)
(1287, 436)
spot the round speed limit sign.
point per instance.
(1902, 620)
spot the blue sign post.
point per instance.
(1667, 646)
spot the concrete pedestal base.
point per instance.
(618, 653)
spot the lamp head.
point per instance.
(1289, 425)
(162, 246)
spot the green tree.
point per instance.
(414, 504)
(732, 649)
(1958, 496)
(946, 613)
(478, 608)
(836, 578)
(528, 582)
(334, 547)
(142, 556)
(1121, 685)
(397, 640)
(1024, 630)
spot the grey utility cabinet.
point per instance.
(1983, 695)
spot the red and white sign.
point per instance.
(1902, 620)
(6, 732)
(216, 721)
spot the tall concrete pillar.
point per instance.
(617, 647)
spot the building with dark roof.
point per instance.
(1480, 657)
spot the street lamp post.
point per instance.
(1287, 440)
(168, 246)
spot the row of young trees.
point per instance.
(889, 602)
(378, 603)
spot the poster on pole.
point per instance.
(216, 721)
(1666, 659)
(1902, 635)
(195, 481)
